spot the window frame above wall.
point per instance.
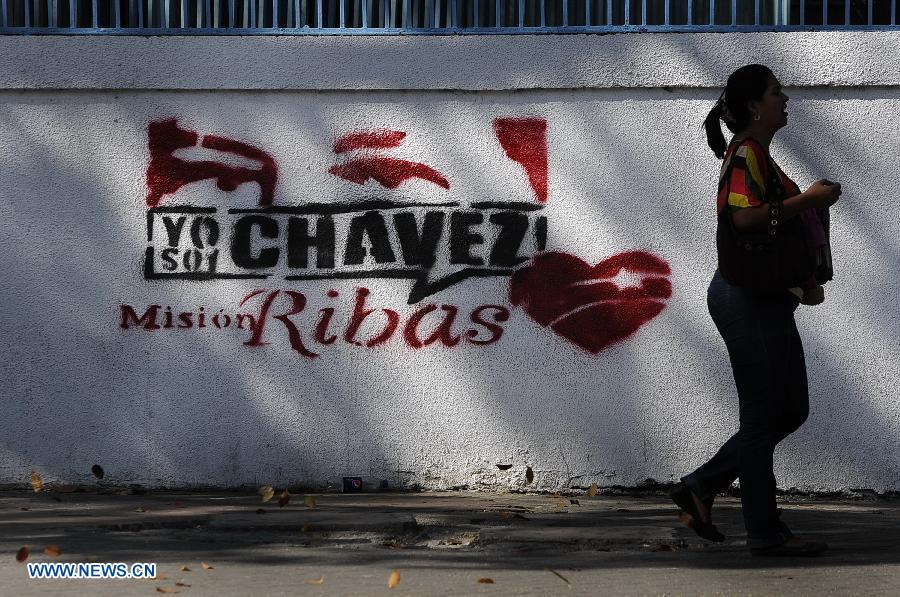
(437, 17)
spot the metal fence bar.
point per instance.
(205, 17)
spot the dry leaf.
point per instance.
(206, 566)
(529, 475)
(486, 581)
(318, 581)
(97, 470)
(309, 501)
(593, 490)
(182, 584)
(52, 550)
(556, 494)
(284, 499)
(267, 492)
(394, 579)
(504, 514)
(167, 590)
(185, 569)
(36, 483)
(22, 554)
(161, 577)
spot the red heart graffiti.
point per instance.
(580, 303)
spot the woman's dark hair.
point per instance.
(745, 84)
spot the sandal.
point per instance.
(684, 499)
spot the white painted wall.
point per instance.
(628, 170)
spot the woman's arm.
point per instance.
(821, 194)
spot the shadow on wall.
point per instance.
(253, 413)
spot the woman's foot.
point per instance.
(794, 547)
(695, 513)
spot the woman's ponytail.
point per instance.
(714, 136)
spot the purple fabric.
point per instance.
(815, 231)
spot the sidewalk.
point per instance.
(441, 544)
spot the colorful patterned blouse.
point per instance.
(748, 177)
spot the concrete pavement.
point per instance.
(440, 543)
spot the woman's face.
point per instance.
(771, 107)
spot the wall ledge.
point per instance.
(473, 63)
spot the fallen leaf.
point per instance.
(161, 577)
(267, 492)
(529, 475)
(284, 499)
(97, 470)
(182, 584)
(556, 494)
(167, 590)
(206, 566)
(686, 519)
(22, 554)
(486, 581)
(563, 578)
(593, 490)
(260, 511)
(318, 581)
(52, 550)
(185, 569)
(36, 483)
(504, 514)
(394, 579)
(309, 501)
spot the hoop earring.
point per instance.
(756, 116)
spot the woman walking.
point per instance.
(773, 254)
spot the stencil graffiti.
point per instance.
(436, 245)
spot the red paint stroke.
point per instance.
(388, 172)
(525, 141)
(377, 139)
(167, 173)
(578, 302)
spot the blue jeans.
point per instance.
(770, 374)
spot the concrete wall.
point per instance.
(596, 138)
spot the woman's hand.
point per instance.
(823, 193)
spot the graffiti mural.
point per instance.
(435, 245)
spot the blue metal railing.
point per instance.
(293, 17)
